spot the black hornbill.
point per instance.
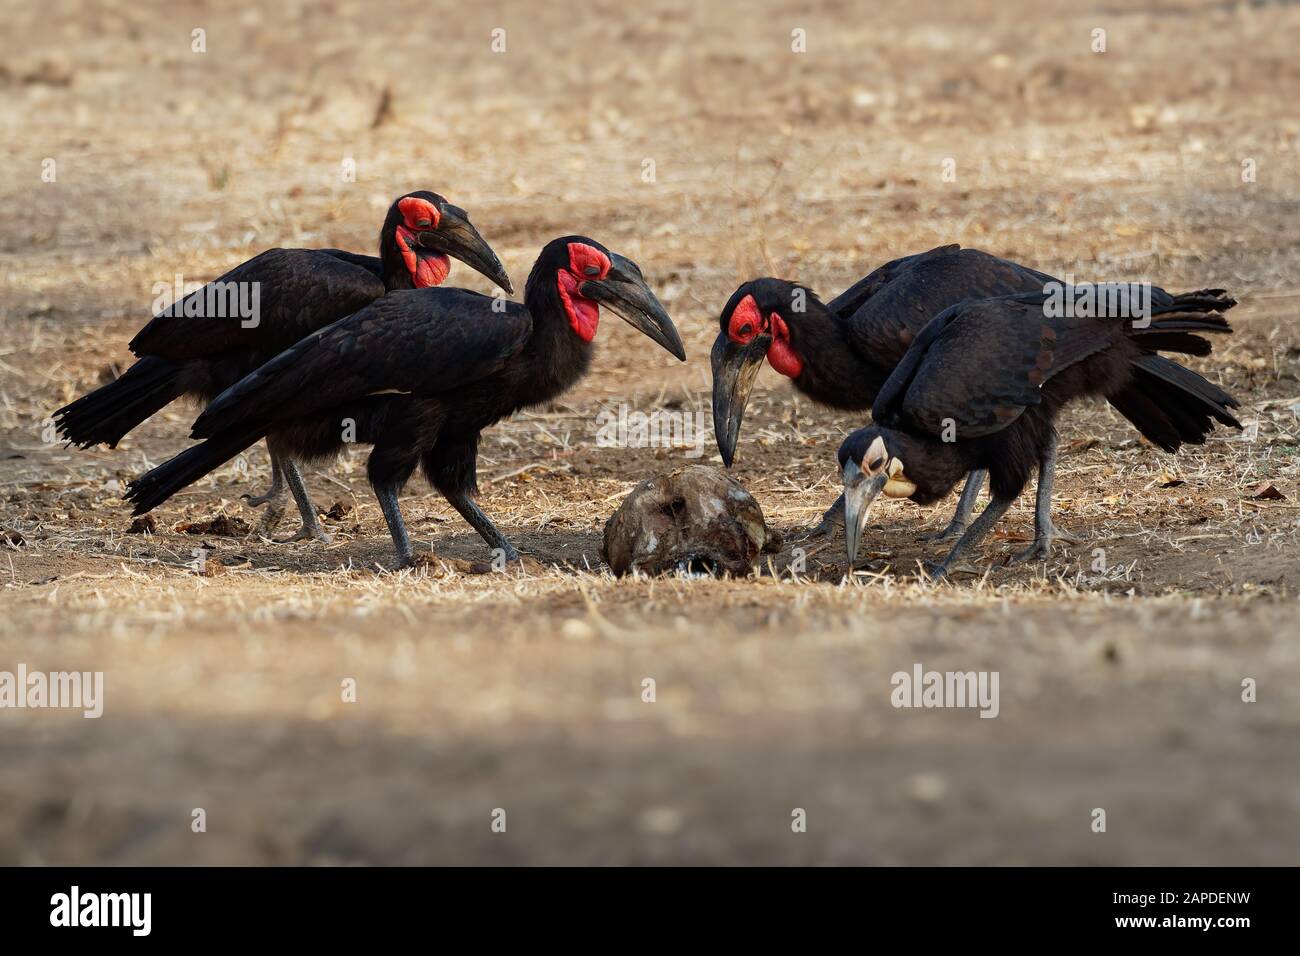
(187, 351)
(419, 375)
(981, 385)
(840, 353)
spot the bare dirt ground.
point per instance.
(1121, 689)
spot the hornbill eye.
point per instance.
(423, 223)
(745, 329)
(591, 271)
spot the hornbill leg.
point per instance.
(387, 495)
(275, 493)
(832, 519)
(311, 529)
(983, 524)
(463, 502)
(1044, 531)
(965, 505)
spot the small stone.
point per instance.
(145, 524)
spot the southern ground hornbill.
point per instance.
(198, 348)
(981, 385)
(419, 375)
(840, 353)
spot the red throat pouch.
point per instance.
(781, 354)
(430, 271)
(583, 313)
(426, 269)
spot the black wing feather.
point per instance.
(424, 342)
(299, 290)
(898, 300)
(980, 364)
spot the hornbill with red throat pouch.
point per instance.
(419, 375)
(991, 376)
(185, 352)
(840, 353)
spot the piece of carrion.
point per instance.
(696, 520)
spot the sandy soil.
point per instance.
(1120, 689)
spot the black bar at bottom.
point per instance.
(335, 905)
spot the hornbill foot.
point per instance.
(271, 519)
(505, 553)
(273, 495)
(307, 533)
(826, 528)
(935, 570)
(1041, 549)
(955, 529)
(404, 561)
(947, 569)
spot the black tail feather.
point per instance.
(1204, 300)
(158, 484)
(109, 412)
(1213, 398)
(1172, 405)
(1137, 405)
(1179, 342)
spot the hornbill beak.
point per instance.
(859, 491)
(735, 367)
(456, 236)
(624, 291)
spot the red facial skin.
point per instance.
(583, 313)
(420, 215)
(747, 323)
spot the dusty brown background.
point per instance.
(524, 693)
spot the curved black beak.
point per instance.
(860, 489)
(735, 367)
(456, 236)
(624, 291)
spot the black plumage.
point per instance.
(197, 348)
(841, 353)
(419, 375)
(982, 384)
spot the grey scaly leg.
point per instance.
(1044, 531)
(387, 495)
(470, 511)
(983, 524)
(275, 493)
(311, 529)
(832, 519)
(965, 505)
